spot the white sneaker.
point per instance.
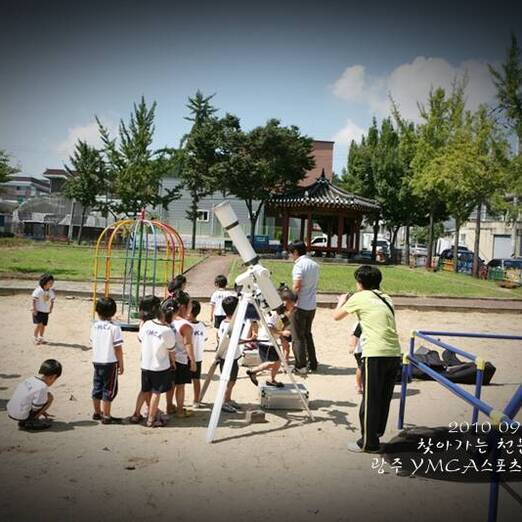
(355, 448)
(196, 405)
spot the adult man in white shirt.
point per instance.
(305, 276)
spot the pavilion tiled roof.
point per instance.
(323, 194)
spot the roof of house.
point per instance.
(323, 194)
(56, 173)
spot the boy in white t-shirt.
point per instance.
(43, 303)
(217, 314)
(107, 357)
(157, 357)
(32, 399)
(229, 306)
(198, 342)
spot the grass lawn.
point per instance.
(30, 259)
(397, 280)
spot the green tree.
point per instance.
(6, 169)
(441, 119)
(360, 177)
(87, 182)
(488, 180)
(134, 169)
(267, 160)
(508, 81)
(200, 154)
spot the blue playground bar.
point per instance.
(497, 417)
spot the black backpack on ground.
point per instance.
(450, 366)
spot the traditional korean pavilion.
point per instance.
(336, 211)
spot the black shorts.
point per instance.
(358, 358)
(197, 373)
(105, 381)
(251, 313)
(41, 318)
(218, 319)
(233, 372)
(182, 374)
(157, 382)
(267, 353)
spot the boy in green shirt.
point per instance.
(381, 353)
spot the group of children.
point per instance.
(172, 339)
(172, 342)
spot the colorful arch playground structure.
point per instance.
(134, 258)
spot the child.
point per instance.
(217, 314)
(157, 356)
(267, 353)
(31, 399)
(229, 307)
(381, 353)
(185, 359)
(198, 342)
(356, 348)
(107, 358)
(43, 303)
(177, 283)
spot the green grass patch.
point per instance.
(67, 262)
(397, 280)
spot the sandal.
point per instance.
(154, 423)
(136, 419)
(171, 410)
(253, 377)
(275, 384)
(185, 414)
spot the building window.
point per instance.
(203, 216)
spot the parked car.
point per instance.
(320, 241)
(463, 254)
(505, 263)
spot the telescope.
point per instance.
(256, 278)
(257, 290)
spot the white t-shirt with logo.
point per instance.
(105, 336)
(217, 300)
(30, 394)
(157, 340)
(198, 339)
(43, 299)
(223, 330)
(262, 334)
(181, 350)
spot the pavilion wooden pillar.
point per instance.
(302, 231)
(309, 229)
(357, 237)
(284, 240)
(340, 233)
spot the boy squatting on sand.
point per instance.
(32, 399)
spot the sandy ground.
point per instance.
(287, 467)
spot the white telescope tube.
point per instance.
(228, 219)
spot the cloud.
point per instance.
(88, 133)
(350, 131)
(410, 83)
